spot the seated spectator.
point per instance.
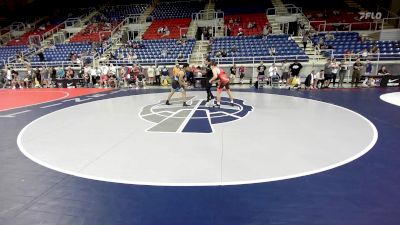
(230, 20)
(224, 53)
(329, 36)
(374, 49)
(180, 57)
(166, 32)
(383, 71)
(164, 52)
(228, 31)
(319, 78)
(265, 31)
(234, 49)
(240, 33)
(218, 53)
(272, 51)
(364, 54)
(160, 30)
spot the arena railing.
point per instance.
(373, 26)
(126, 62)
(257, 59)
(20, 65)
(289, 8)
(203, 15)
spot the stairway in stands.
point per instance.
(199, 53)
(144, 25)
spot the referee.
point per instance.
(209, 76)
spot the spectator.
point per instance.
(240, 33)
(164, 76)
(273, 71)
(164, 52)
(233, 73)
(329, 36)
(285, 71)
(224, 53)
(342, 72)
(364, 54)
(228, 31)
(166, 32)
(150, 74)
(368, 81)
(272, 51)
(234, 49)
(310, 80)
(355, 78)
(295, 68)
(374, 49)
(158, 74)
(305, 40)
(261, 71)
(383, 71)
(334, 71)
(241, 73)
(319, 79)
(328, 73)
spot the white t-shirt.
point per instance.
(9, 77)
(335, 67)
(272, 71)
(150, 72)
(319, 76)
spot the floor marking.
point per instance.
(188, 117)
(48, 106)
(13, 114)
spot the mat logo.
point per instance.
(199, 117)
(370, 15)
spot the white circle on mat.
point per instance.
(283, 137)
(392, 98)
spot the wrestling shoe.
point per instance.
(167, 103)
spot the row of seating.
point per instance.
(257, 46)
(174, 26)
(9, 51)
(61, 52)
(120, 12)
(183, 9)
(152, 49)
(242, 21)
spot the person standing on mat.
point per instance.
(209, 76)
(178, 84)
(223, 83)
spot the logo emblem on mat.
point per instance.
(199, 117)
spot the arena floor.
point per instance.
(105, 157)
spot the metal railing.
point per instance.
(257, 59)
(127, 62)
(64, 64)
(373, 26)
(204, 15)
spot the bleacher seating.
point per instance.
(345, 17)
(167, 10)
(255, 46)
(120, 12)
(173, 26)
(150, 52)
(350, 41)
(24, 39)
(232, 7)
(9, 51)
(61, 52)
(95, 32)
(260, 20)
